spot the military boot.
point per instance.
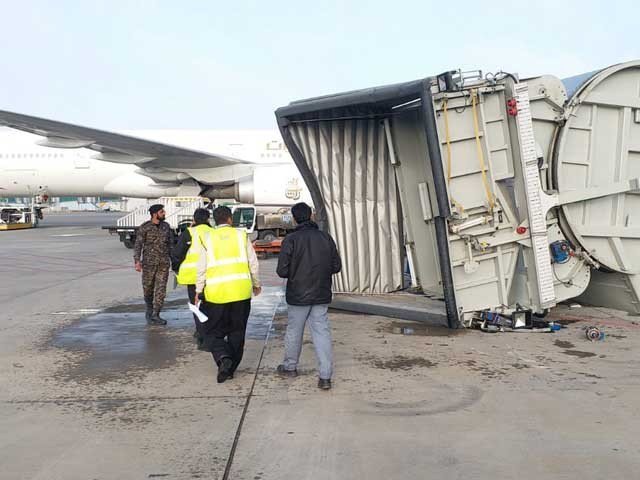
(149, 312)
(156, 319)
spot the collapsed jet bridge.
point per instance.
(499, 193)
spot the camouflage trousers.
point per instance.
(154, 285)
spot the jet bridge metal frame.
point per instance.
(503, 194)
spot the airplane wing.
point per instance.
(115, 147)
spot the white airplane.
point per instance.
(250, 166)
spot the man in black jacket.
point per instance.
(308, 259)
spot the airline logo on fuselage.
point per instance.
(293, 190)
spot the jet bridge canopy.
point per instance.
(343, 146)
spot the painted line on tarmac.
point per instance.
(69, 235)
(227, 470)
(75, 312)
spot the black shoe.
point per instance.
(156, 319)
(286, 373)
(324, 384)
(224, 370)
(203, 347)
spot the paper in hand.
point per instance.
(198, 313)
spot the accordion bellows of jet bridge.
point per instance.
(499, 192)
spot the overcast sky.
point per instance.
(228, 65)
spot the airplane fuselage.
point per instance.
(27, 169)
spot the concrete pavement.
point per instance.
(87, 390)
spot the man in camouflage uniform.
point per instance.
(154, 240)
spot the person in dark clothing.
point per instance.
(308, 259)
(152, 257)
(184, 262)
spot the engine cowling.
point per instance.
(269, 185)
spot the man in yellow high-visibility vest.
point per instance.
(184, 260)
(227, 276)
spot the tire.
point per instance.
(129, 242)
(267, 235)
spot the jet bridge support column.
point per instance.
(444, 210)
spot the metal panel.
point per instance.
(414, 175)
(599, 149)
(484, 211)
(350, 162)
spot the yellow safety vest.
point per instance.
(188, 272)
(228, 275)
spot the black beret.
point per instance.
(155, 208)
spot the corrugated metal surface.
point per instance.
(350, 159)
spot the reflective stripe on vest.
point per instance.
(228, 273)
(188, 272)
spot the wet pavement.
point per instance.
(118, 341)
(420, 329)
(112, 343)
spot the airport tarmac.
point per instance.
(88, 391)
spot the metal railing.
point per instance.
(178, 210)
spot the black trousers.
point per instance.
(191, 291)
(224, 332)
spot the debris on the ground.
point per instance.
(594, 334)
(519, 320)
